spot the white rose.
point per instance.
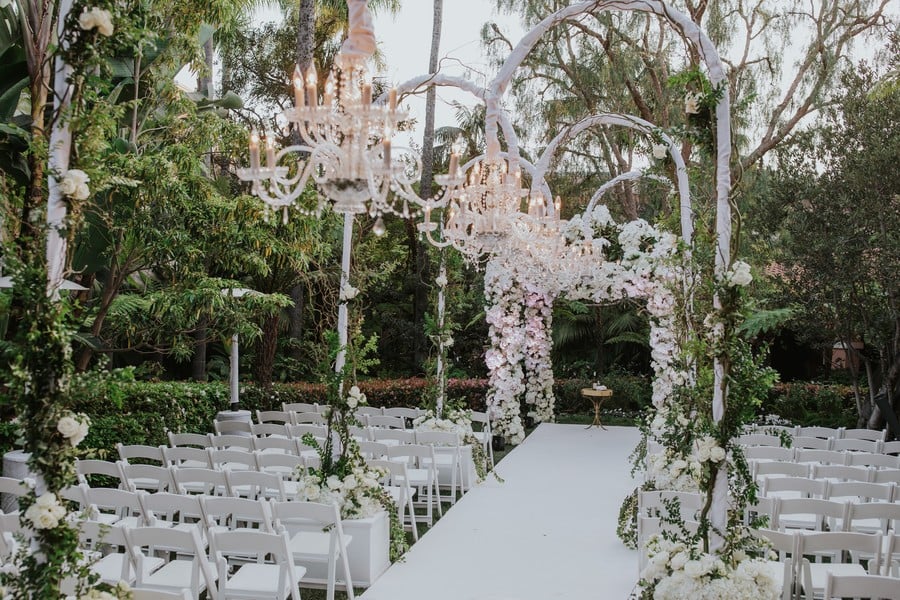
(739, 274)
(348, 292)
(99, 18)
(46, 500)
(448, 342)
(311, 492)
(352, 401)
(717, 454)
(68, 427)
(679, 560)
(692, 102)
(441, 280)
(350, 483)
(45, 520)
(693, 568)
(333, 483)
(659, 151)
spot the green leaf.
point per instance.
(763, 321)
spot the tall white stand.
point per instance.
(233, 373)
(343, 315)
(439, 367)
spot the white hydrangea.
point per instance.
(74, 430)
(739, 274)
(74, 184)
(98, 18)
(355, 397)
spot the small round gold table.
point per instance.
(597, 397)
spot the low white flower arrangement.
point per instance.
(679, 571)
(358, 494)
(456, 421)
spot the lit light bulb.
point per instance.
(378, 228)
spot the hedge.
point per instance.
(136, 412)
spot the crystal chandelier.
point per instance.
(481, 204)
(345, 141)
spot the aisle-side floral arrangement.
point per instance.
(459, 421)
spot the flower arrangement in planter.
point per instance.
(459, 421)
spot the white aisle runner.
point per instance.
(548, 532)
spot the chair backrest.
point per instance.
(891, 562)
(282, 417)
(256, 485)
(820, 432)
(481, 418)
(399, 436)
(197, 440)
(384, 421)
(119, 503)
(311, 418)
(264, 430)
(804, 487)
(148, 477)
(856, 445)
(301, 429)
(368, 411)
(297, 516)
(372, 450)
(823, 457)
(13, 487)
(416, 455)
(861, 586)
(843, 473)
(236, 513)
(229, 441)
(231, 427)
(823, 510)
(285, 465)
(808, 441)
(275, 445)
(226, 460)
(95, 536)
(873, 435)
(10, 528)
(151, 594)
(362, 434)
(405, 412)
(187, 457)
(886, 475)
(768, 453)
(763, 508)
(206, 482)
(868, 459)
(784, 543)
(860, 491)
(141, 454)
(886, 513)
(87, 470)
(759, 439)
(240, 544)
(438, 438)
(172, 508)
(300, 407)
(834, 544)
(891, 447)
(784, 469)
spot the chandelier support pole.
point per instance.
(343, 314)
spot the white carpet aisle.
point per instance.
(548, 532)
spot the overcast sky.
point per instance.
(405, 41)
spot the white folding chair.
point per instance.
(874, 517)
(227, 441)
(141, 454)
(309, 419)
(768, 453)
(396, 483)
(891, 562)
(891, 447)
(873, 435)
(794, 487)
(856, 445)
(91, 471)
(384, 422)
(300, 407)
(421, 470)
(819, 432)
(812, 514)
(485, 435)
(177, 511)
(759, 439)
(233, 460)
(820, 457)
(373, 450)
(779, 469)
(860, 491)
(15, 488)
(106, 547)
(316, 536)
(287, 467)
(393, 437)
(843, 473)
(265, 581)
(315, 429)
(263, 431)
(368, 411)
(861, 586)
(360, 434)
(783, 569)
(886, 476)
(279, 445)
(405, 412)
(194, 574)
(149, 478)
(235, 513)
(816, 443)
(879, 461)
(655, 503)
(836, 547)
(110, 506)
(448, 458)
(282, 417)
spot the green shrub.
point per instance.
(826, 405)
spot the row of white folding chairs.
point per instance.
(826, 457)
(875, 435)
(396, 411)
(808, 559)
(817, 514)
(824, 470)
(828, 489)
(819, 443)
(312, 533)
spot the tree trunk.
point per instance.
(306, 27)
(198, 361)
(298, 295)
(205, 85)
(420, 261)
(264, 362)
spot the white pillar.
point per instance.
(233, 372)
(439, 401)
(343, 316)
(60, 149)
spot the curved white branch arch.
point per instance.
(636, 123)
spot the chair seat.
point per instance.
(255, 579)
(312, 545)
(819, 572)
(416, 476)
(173, 575)
(109, 568)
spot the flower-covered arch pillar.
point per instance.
(710, 57)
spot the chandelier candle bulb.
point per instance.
(454, 164)
(254, 150)
(299, 99)
(366, 95)
(386, 148)
(270, 152)
(329, 90)
(392, 99)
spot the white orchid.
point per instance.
(739, 274)
(441, 280)
(692, 102)
(348, 292)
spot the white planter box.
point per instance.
(369, 552)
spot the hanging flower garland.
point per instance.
(538, 314)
